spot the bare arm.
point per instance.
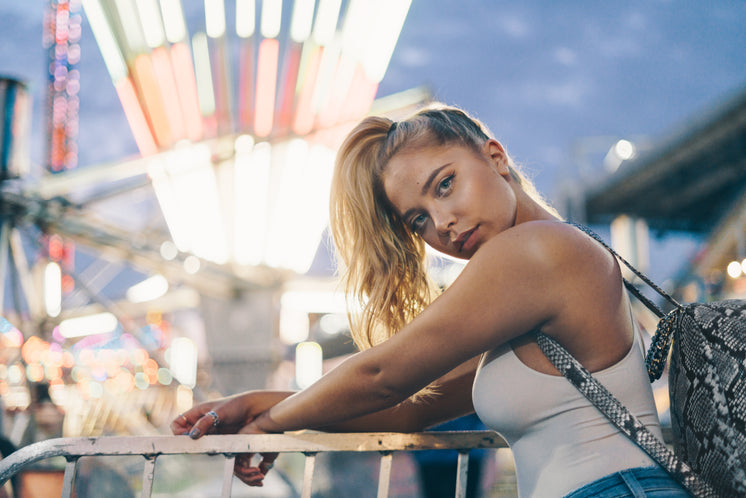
(515, 283)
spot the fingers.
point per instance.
(248, 473)
(180, 425)
(206, 423)
(268, 461)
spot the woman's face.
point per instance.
(454, 198)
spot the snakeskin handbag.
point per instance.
(707, 389)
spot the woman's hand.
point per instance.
(226, 415)
(232, 415)
(253, 475)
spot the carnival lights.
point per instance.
(269, 87)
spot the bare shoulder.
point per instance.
(543, 244)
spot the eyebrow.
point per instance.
(426, 187)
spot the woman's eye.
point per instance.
(445, 184)
(418, 222)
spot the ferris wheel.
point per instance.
(236, 111)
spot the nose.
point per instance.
(443, 221)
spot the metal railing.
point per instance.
(308, 443)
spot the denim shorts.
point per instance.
(640, 482)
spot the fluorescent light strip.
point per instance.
(386, 27)
(151, 97)
(104, 36)
(215, 18)
(203, 72)
(302, 20)
(287, 96)
(167, 84)
(245, 18)
(271, 18)
(135, 117)
(246, 83)
(266, 83)
(152, 24)
(131, 28)
(304, 117)
(327, 68)
(326, 21)
(173, 20)
(186, 85)
(101, 323)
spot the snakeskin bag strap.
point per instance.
(618, 414)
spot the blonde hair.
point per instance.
(383, 263)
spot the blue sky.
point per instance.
(545, 76)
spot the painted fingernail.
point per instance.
(195, 433)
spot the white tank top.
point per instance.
(560, 441)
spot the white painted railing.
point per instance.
(308, 443)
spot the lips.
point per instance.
(463, 238)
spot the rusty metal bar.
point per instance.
(384, 474)
(462, 474)
(307, 442)
(67, 482)
(230, 460)
(308, 475)
(148, 474)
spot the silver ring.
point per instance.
(184, 417)
(215, 418)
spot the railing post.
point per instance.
(230, 460)
(384, 474)
(148, 474)
(308, 475)
(67, 483)
(462, 473)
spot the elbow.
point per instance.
(387, 390)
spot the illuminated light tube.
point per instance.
(105, 39)
(164, 76)
(340, 88)
(361, 96)
(133, 36)
(327, 68)
(194, 185)
(186, 85)
(149, 90)
(101, 323)
(302, 20)
(182, 360)
(53, 289)
(245, 18)
(289, 79)
(356, 29)
(215, 18)
(304, 117)
(173, 20)
(266, 83)
(135, 117)
(203, 72)
(152, 25)
(148, 290)
(388, 24)
(246, 84)
(271, 18)
(308, 363)
(251, 174)
(325, 24)
(177, 225)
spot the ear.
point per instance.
(495, 151)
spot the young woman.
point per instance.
(438, 178)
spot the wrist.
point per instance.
(265, 423)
